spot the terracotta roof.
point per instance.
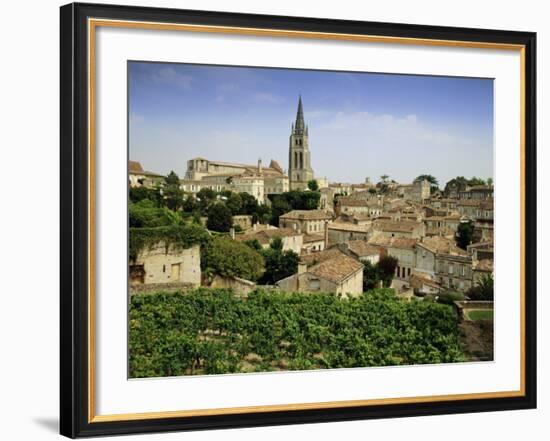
(362, 248)
(403, 242)
(398, 226)
(275, 165)
(348, 226)
(442, 245)
(321, 256)
(265, 236)
(483, 265)
(306, 215)
(337, 269)
(134, 167)
(313, 238)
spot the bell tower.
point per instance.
(299, 157)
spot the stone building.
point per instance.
(403, 228)
(361, 250)
(299, 156)
(306, 221)
(333, 272)
(138, 177)
(172, 266)
(314, 243)
(256, 180)
(339, 232)
(291, 238)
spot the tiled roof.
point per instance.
(348, 226)
(313, 238)
(265, 236)
(398, 226)
(134, 167)
(321, 256)
(306, 215)
(362, 248)
(337, 269)
(483, 265)
(442, 245)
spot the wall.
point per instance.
(29, 90)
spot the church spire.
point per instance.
(299, 126)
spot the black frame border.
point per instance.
(74, 219)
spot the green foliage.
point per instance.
(138, 194)
(254, 244)
(173, 194)
(190, 204)
(484, 290)
(476, 181)
(386, 269)
(464, 234)
(434, 185)
(313, 185)
(293, 200)
(480, 314)
(371, 275)
(449, 297)
(179, 236)
(219, 218)
(227, 257)
(205, 198)
(146, 213)
(372, 190)
(278, 263)
(214, 332)
(235, 203)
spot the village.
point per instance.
(439, 241)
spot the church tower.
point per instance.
(299, 157)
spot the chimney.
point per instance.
(302, 267)
(232, 233)
(260, 165)
(326, 234)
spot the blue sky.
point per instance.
(360, 124)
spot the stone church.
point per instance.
(260, 181)
(299, 156)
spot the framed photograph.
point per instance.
(274, 220)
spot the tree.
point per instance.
(434, 185)
(145, 213)
(234, 202)
(484, 290)
(464, 234)
(474, 180)
(490, 182)
(372, 190)
(230, 258)
(173, 194)
(386, 269)
(190, 204)
(384, 179)
(219, 218)
(371, 275)
(206, 197)
(140, 193)
(278, 263)
(313, 185)
(279, 206)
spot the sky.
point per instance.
(360, 124)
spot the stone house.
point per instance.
(313, 243)
(138, 177)
(339, 274)
(477, 192)
(403, 228)
(292, 239)
(361, 250)
(481, 250)
(339, 232)
(305, 221)
(423, 283)
(160, 265)
(454, 271)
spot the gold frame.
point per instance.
(92, 25)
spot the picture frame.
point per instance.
(79, 177)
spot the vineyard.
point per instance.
(214, 332)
